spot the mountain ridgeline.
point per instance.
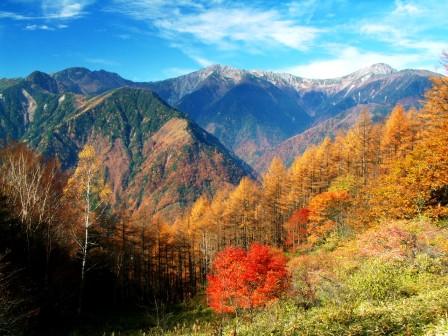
(160, 156)
(153, 154)
(253, 112)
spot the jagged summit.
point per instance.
(236, 75)
(230, 71)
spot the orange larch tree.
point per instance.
(272, 200)
(397, 136)
(327, 213)
(296, 228)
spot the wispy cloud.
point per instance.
(251, 27)
(405, 25)
(52, 10)
(38, 27)
(32, 27)
(176, 72)
(14, 16)
(221, 24)
(64, 9)
(347, 60)
(194, 55)
(406, 8)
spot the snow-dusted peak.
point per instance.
(373, 70)
(228, 76)
(224, 71)
(382, 68)
(361, 76)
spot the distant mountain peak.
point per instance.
(84, 81)
(229, 71)
(382, 68)
(377, 69)
(224, 71)
(43, 80)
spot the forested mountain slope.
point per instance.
(152, 154)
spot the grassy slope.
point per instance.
(389, 280)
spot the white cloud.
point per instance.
(223, 25)
(13, 16)
(176, 72)
(406, 8)
(38, 27)
(350, 59)
(411, 26)
(401, 38)
(202, 61)
(33, 27)
(193, 54)
(53, 10)
(64, 9)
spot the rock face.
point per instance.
(154, 156)
(253, 112)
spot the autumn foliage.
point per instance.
(246, 280)
(340, 200)
(296, 228)
(327, 212)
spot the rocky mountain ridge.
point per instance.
(253, 112)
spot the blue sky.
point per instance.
(155, 39)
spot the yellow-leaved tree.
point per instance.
(87, 191)
(272, 200)
(419, 182)
(327, 213)
(362, 142)
(397, 135)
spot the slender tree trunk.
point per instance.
(85, 245)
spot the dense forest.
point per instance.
(350, 239)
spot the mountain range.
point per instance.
(255, 112)
(154, 156)
(164, 143)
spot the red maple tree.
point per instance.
(246, 280)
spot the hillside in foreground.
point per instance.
(388, 280)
